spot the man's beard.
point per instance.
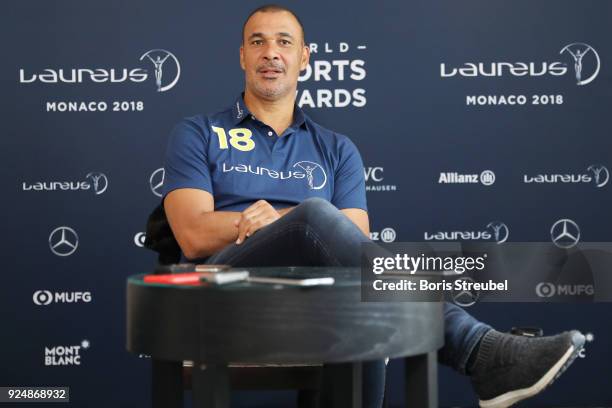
(270, 91)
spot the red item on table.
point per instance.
(190, 278)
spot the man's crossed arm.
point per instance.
(200, 231)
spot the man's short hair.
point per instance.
(273, 8)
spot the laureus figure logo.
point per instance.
(578, 51)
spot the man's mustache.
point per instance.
(271, 67)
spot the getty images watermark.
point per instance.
(470, 272)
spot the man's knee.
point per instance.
(315, 209)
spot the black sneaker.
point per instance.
(510, 368)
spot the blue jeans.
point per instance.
(315, 233)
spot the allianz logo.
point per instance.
(98, 182)
(495, 231)
(600, 176)
(487, 178)
(311, 172)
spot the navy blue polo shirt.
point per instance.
(239, 160)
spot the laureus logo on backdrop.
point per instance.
(158, 57)
(374, 177)
(159, 66)
(486, 178)
(495, 231)
(581, 63)
(332, 78)
(596, 174)
(65, 355)
(63, 241)
(94, 181)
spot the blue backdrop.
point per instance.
(465, 113)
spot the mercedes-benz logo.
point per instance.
(157, 181)
(42, 297)
(63, 241)
(578, 50)
(601, 174)
(565, 233)
(500, 231)
(157, 58)
(465, 298)
(487, 177)
(315, 175)
(99, 180)
(545, 289)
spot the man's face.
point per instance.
(272, 54)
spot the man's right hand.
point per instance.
(255, 217)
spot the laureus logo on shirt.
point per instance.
(312, 173)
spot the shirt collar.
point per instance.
(240, 113)
(239, 110)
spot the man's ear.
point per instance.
(242, 57)
(305, 57)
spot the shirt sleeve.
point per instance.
(186, 161)
(349, 179)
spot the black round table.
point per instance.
(251, 323)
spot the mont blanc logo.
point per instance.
(595, 173)
(495, 231)
(315, 175)
(166, 67)
(565, 233)
(578, 52)
(549, 289)
(158, 58)
(385, 235)
(374, 177)
(156, 181)
(486, 178)
(45, 297)
(63, 241)
(139, 239)
(584, 58)
(94, 181)
(65, 355)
